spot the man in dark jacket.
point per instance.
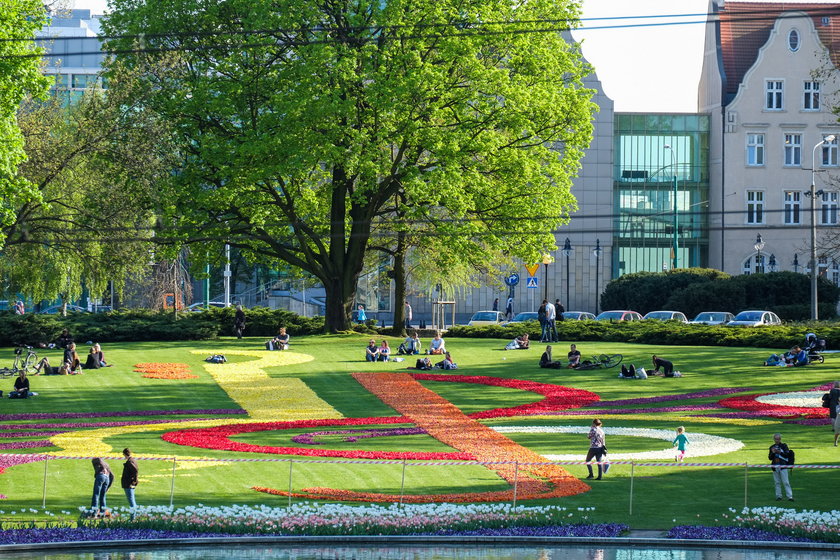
(128, 481)
(782, 458)
(559, 310)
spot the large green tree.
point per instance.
(300, 122)
(20, 76)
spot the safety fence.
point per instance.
(168, 468)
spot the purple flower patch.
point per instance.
(729, 534)
(68, 534)
(116, 413)
(665, 398)
(25, 444)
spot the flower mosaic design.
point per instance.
(798, 404)
(165, 371)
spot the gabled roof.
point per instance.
(745, 28)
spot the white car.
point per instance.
(755, 319)
(713, 318)
(482, 318)
(666, 316)
(578, 316)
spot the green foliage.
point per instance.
(694, 290)
(297, 146)
(19, 76)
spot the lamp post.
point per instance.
(759, 245)
(567, 252)
(772, 263)
(676, 219)
(796, 262)
(813, 194)
(597, 253)
(546, 259)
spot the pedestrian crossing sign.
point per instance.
(532, 282)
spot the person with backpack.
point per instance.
(782, 458)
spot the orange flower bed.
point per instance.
(164, 371)
(446, 423)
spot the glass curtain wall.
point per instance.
(651, 150)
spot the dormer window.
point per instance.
(793, 40)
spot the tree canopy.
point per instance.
(307, 128)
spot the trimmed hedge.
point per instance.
(672, 333)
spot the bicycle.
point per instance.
(601, 361)
(22, 363)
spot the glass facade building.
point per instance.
(653, 152)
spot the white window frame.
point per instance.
(755, 149)
(829, 208)
(829, 152)
(755, 207)
(793, 149)
(774, 95)
(811, 96)
(792, 215)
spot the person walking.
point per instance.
(496, 304)
(597, 448)
(543, 324)
(128, 480)
(408, 315)
(239, 322)
(509, 308)
(102, 479)
(559, 310)
(361, 317)
(782, 458)
(680, 442)
(550, 328)
(834, 409)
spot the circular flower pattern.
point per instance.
(799, 399)
(701, 445)
(770, 404)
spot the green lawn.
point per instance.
(662, 495)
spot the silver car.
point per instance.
(578, 316)
(666, 316)
(755, 319)
(712, 318)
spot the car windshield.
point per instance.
(749, 316)
(484, 316)
(711, 317)
(611, 315)
(659, 315)
(525, 316)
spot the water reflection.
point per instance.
(444, 552)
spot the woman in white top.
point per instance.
(437, 346)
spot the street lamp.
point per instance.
(546, 259)
(796, 262)
(759, 245)
(813, 194)
(772, 263)
(676, 219)
(597, 252)
(567, 252)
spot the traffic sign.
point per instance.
(532, 282)
(512, 280)
(532, 269)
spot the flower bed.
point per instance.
(165, 371)
(729, 534)
(821, 526)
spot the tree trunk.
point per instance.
(339, 304)
(399, 285)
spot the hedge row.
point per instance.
(143, 325)
(670, 333)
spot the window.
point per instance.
(793, 40)
(754, 264)
(829, 152)
(755, 207)
(793, 149)
(792, 206)
(811, 96)
(755, 149)
(775, 98)
(82, 81)
(828, 208)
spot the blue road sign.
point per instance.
(532, 282)
(512, 280)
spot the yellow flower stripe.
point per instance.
(269, 398)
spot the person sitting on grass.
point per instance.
(72, 358)
(21, 387)
(437, 346)
(95, 359)
(372, 351)
(667, 367)
(521, 342)
(44, 365)
(423, 363)
(447, 363)
(411, 345)
(546, 360)
(797, 357)
(280, 340)
(573, 356)
(384, 351)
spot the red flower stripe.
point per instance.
(749, 402)
(219, 438)
(557, 397)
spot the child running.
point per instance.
(680, 442)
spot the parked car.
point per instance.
(712, 318)
(481, 318)
(53, 309)
(755, 319)
(578, 316)
(666, 316)
(619, 316)
(522, 317)
(199, 306)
